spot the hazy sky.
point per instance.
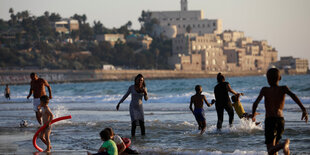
(285, 24)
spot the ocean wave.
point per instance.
(155, 150)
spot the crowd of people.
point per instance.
(274, 98)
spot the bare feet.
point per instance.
(47, 150)
(202, 131)
(286, 148)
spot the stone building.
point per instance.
(179, 22)
(230, 51)
(247, 54)
(208, 46)
(292, 65)
(144, 40)
(111, 38)
(66, 25)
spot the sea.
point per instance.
(170, 126)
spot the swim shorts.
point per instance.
(274, 128)
(199, 114)
(36, 103)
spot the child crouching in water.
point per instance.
(198, 112)
(122, 148)
(108, 147)
(47, 117)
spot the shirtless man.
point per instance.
(274, 104)
(37, 87)
(199, 114)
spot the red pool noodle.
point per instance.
(37, 133)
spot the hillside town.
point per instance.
(179, 40)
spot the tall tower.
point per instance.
(183, 5)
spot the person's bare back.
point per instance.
(274, 104)
(38, 87)
(198, 99)
(274, 100)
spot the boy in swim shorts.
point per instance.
(274, 103)
(198, 112)
(47, 118)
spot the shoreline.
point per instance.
(76, 76)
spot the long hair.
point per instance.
(220, 77)
(139, 76)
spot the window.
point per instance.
(198, 25)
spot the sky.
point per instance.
(285, 24)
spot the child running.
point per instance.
(47, 117)
(108, 147)
(199, 113)
(274, 104)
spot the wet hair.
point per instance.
(32, 74)
(105, 135)
(110, 131)
(220, 77)
(273, 76)
(44, 99)
(139, 76)
(198, 88)
(234, 98)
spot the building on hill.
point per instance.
(229, 51)
(172, 23)
(292, 65)
(111, 38)
(66, 25)
(143, 40)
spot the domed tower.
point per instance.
(183, 5)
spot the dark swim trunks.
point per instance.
(274, 128)
(199, 114)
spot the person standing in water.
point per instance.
(223, 101)
(137, 91)
(199, 112)
(7, 92)
(37, 88)
(274, 103)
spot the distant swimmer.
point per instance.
(198, 111)
(7, 92)
(274, 103)
(37, 88)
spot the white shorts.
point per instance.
(36, 102)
